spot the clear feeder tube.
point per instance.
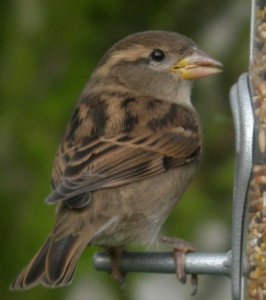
(254, 239)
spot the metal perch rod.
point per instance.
(161, 262)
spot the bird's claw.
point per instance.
(194, 283)
(181, 248)
(116, 255)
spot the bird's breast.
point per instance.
(138, 210)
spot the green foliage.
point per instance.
(47, 52)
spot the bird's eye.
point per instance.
(157, 55)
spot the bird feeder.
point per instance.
(246, 262)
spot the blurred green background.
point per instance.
(47, 51)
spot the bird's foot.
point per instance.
(116, 254)
(181, 248)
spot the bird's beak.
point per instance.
(197, 65)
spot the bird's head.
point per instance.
(156, 63)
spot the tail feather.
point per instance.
(54, 264)
(33, 272)
(62, 259)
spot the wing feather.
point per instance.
(118, 157)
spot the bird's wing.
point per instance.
(125, 147)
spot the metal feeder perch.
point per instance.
(246, 262)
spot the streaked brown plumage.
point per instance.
(130, 150)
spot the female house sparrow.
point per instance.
(129, 152)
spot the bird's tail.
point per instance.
(53, 265)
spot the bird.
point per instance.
(131, 148)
